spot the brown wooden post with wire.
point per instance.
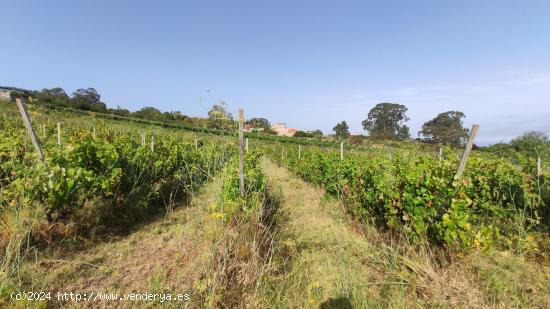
(28, 125)
(467, 150)
(241, 152)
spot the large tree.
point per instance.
(387, 120)
(88, 99)
(259, 123)
(149, 113)
(219, 117)
(341, 130)
(55, 96)
(532, 143)
(446, 128)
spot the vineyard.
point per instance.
(105, 178)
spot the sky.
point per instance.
(309, 64)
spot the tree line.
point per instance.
(388, 121)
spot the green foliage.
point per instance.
(387, 121)
(232, 204)
(418, 195)
(341, 130)
(108, 181)
(220, 118)
(446, 128)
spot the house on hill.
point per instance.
(5, 94)
(283, 130)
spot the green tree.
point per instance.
(149, 113)
(387, 120)
(341, 130)
(259, 123)
(220, 118)
(446, 128)
(532, 143)
(54, 96)
(88, 99)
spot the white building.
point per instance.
(5, 94)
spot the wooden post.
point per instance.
(142, 139)
(467, 150)
(59, 134)
(241, 152)
(539, 167)
(196, 144)
(299, 151)
(341, 151)
(44, 131)
(152, 143)
(440, 154)
(28, 125)
(246, 145)
(94, 132)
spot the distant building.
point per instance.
(5, 94)
(283, 130)
(251, 128)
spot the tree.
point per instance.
(341, 130)
(446, 128)
(532, 143)
(149, 113)
(258, 123)
(55, 96)
(88, 99)
(387, 120)
(219, 117)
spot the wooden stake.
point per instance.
(152, 143)
(94, 132)
(440, 154)
(59, 134)
(539, 167)
(299, 151)
(246, 145)
(196, 144)
(241, 152)
(28, 125)
(142, 139)
(467, 150)
(341, 151)
(44, 131)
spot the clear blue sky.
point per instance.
(307, 63)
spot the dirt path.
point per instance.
(331, 265)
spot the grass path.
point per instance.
(331, 264)
(169, 255)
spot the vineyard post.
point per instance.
(299, 151)
(467, 150)
(94, 132)
(44, 130)
(152, 143)
(246, 145)
(241, 152)
(341, 151)
(539, 167)
(142, 139)
(59, 134)
(28, 125)
(440, 153)
(196, 144)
